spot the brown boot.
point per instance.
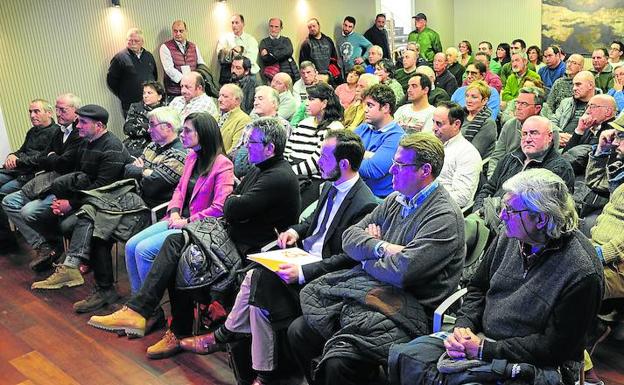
(204, 344)
(166, 347)
(125, 320)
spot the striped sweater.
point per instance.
(303, 147)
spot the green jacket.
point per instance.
(429, 42)
(512, 87)
(604, 79)
(506, 70)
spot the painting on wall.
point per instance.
(579, 26)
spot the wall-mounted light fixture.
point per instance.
(116, 3)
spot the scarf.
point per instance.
(475, 125)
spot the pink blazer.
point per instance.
(210, 190)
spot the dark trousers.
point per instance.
(162, 277)
(306, 347)
(102, 262)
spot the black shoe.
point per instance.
(46, 256)
(100, 297)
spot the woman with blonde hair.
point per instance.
(479, 126)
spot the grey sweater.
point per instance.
(429, 267)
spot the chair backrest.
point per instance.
(477, 235)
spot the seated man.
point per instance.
(275, 303)
(157, 172)
(267, 199)
(242, 77)
(536, 151)
(571, 109)
(354, 114)
(521, 306)
(309, 77)
(193, 98)
(232, 120)
(562, 87)
(14, 171)
(600, 111)
(63, 144)
(416, 116)
(618, 87)
(381, 136)
(520, 72)
(462, 162)
(444, 77)
(101, 159)
(411, 250)
(282, 83)
(436, 94)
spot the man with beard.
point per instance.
(320, 50)
(520, 72)
(352, 46)
(345, 199)
(241, 76)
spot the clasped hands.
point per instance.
(462, 344)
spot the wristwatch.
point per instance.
(381, 249)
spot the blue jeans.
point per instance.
(20, 209)
(142, 249)
(8, 184)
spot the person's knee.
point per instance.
(13, 201)
(295, 331)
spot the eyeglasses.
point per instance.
(400, 166)
(248, 142)
(506, 211)
(591, 107)
(523, 104)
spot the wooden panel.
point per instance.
(43, 372)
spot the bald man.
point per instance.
(404, 74)
(562, 87)
(571, 109)
(282, 83)
(193, 98)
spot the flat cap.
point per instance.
(94, 112)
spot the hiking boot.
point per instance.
(100, 297)
(166, 347)
(62, 276)
(46, 256)
(125, 320)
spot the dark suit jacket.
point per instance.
(358, 202)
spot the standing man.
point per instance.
(554, 68)
(319, 49)
(427, 38)
(276, 52)
(233, 44)
(352, 46)
(378, 35)
(602, 70)
(562, 87)
(241, 75)
(129, 69)
(381, 136)
(178, 57)
(194, 98)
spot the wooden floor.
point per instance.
(42, 341)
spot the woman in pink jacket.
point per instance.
(207, 180)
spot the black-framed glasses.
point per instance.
(523, 104)
(507, 211)
(400, 166)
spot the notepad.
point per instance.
(272, 259)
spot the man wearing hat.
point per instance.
(427, 38)
(101, 159)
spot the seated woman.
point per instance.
(346, 91)
(384, 70)
(354, 114)
(303, 147)
(136, 124)
(207, 180)
(465, 53)
(479, 128)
